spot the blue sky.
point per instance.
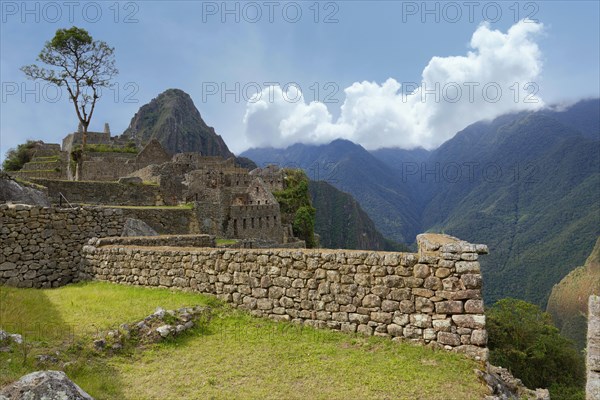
(350, 60)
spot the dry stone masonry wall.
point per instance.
(41, 247)
(432, 297)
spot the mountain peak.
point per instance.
(173, 120)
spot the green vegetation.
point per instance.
(16, 158)
(105, 148)
(226, 242)
(523, 339)
(186, 206)
(235, 356)
(36, 171)
(24, 182)
(48, 159)
(296, 207)
(568, 301)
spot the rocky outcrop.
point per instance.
(504, 386)
(154, 328)
(137, 227)
(13, 192)
(46, 385)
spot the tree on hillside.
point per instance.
(523, 339)
(80, 64)
(19, 156)
(296, 207)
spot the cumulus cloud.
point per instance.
(496, 76)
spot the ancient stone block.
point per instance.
(469, 321)
(365, 330)
(371, 301)
(444, 325)
(389, 306)
(407, 307)
(449, 307)
(423, 292)
(421, 320)
(393, 281)
(471, 281)
(358, 318)
(429, 334)
(433, 283)
(347, 327)
(399, 294)
(479, 337)
(400, 318)
(447, 338)
(412, 332)
(463, 267)
(264, 304)
(474, 306)
(421, 271)
(381, 317)
(395, 330)
(413, 282)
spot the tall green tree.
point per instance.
(523, 339)
(81, 65)
(296, 208)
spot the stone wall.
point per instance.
(593, 349)
(154, 241)
(104, 193)
(41, 247)
(167, 221)
(432, 297)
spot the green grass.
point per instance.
(36, 171)
(226, 242)
(44, 162)
(187, 206)
(236, 357)
(103, 148)
(30, 184)
(47, 158)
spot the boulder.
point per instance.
(13, 192)
(131, 180)
(47, 385)
(136, 227)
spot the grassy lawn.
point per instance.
(235, 357)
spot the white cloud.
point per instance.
(497, 76)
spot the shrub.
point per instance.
(296, 207)
(16, 158)
(523, 339)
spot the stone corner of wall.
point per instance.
(434, 246)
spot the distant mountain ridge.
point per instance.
(341, 222)
(527, 184)
(352, 169)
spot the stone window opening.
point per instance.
(244, 224)
(252, 224)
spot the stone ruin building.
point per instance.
(228, 201)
